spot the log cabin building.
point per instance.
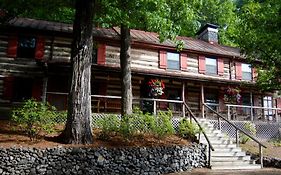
(35, 63)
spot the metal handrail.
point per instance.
(237, 132)
(201, 129)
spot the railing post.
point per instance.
(237, 137)
(219, 123)
(183, 110)
(228, 112)
(251, 109)
(276, 115)
(252, 114)
(154, 107)
(261, 155)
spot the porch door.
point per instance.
(268, 113)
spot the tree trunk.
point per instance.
(78, 127)
(125, 61)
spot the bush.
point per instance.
(188, 129)
(163, 124)
(34, 117)
(250, 127)
(136, 124)
(108, 125)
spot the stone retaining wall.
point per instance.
(139, 160)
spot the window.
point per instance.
(211, 66)
(173, 60)
(22, 89)
(267, 102)
(212, 99)
(246, 100)
(246, 72)
(26, 47)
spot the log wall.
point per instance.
(149, 60)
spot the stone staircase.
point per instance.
(226, 155)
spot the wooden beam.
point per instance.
(183, 98)
(202, 101)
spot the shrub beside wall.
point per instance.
(138, 160)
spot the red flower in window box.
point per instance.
(156, 87)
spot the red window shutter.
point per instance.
(12, 46)
(220, 66)
(8, 88)
(163, 59)
(37, 90)
(39, 49)
(254, 74)
(183, 61)
(101, 54)
(238, 71)
(202, 64)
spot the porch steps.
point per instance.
(226, 155)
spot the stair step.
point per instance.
(229, 158)
(231, 149)
(240, 167)
(224, 146)
(218, 142)
(227, 154)
(234, 163)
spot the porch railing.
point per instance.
(253, 113)
(136, 101)
(237, 131)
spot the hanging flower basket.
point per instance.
(232, 95)
(156, 87)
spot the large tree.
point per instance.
(260, 39)
(78, 126)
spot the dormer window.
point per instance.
(173, 60)
(26, 47)
(211, 66)
(246, 72)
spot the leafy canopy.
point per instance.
(260, 39)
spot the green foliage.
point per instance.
(108, 125)
(163, 124)
(259, 39)
(276, 142)
(188, 129)
(250, 127)
(54, 10)
(34, 117)
(136, 124)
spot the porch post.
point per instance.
(154, 107)
(44, 89)
(183, 99)
(202, 101)
(251, 101)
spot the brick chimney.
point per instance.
(208, 33)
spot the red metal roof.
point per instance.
(136, 35)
